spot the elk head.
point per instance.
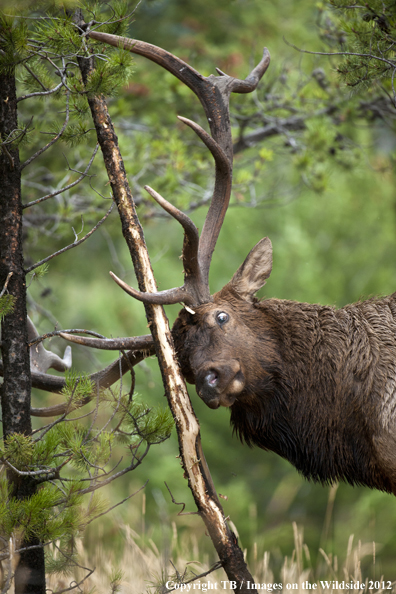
(213, 343)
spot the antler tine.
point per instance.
(191, 235)
(251, 81)
(197, 253)
(41, 359)
(218, 153)
(132, 343)
(177, 214)
(193, 291)
(218, 207)
(196, 265)
(177, 295)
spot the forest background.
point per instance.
(321, 186)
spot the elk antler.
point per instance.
(40, 359)
(197, 251)
(214, 93)
(101, 379)
(133, 343)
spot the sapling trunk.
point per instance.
(187, 425)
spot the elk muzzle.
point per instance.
(218, 384)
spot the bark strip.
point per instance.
(187, 425)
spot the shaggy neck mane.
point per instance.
(317, 404)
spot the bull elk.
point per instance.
(312, 383)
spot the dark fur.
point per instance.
(320, 383)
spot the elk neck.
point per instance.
(324, 398)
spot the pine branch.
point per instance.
(54, 139)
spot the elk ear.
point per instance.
(255, 270)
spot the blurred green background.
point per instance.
(330, 214)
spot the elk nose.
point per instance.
(211, 379)
(218, 384)
(206, 384)
(207, 381)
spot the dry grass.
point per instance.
(145, 569)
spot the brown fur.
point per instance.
(312, 383)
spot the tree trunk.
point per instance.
(16, 387)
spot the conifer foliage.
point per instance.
(366, 34)
(51, 472)
(47, 470)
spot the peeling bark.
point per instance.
(187, 425)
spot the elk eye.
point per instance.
(222, 317)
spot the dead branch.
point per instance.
(65, 188)
(72, 245)
(9, 275)
(54, 139)
(59, 332)
(40, 93)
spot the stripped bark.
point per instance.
(187, 425)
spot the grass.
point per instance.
(143, 568)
